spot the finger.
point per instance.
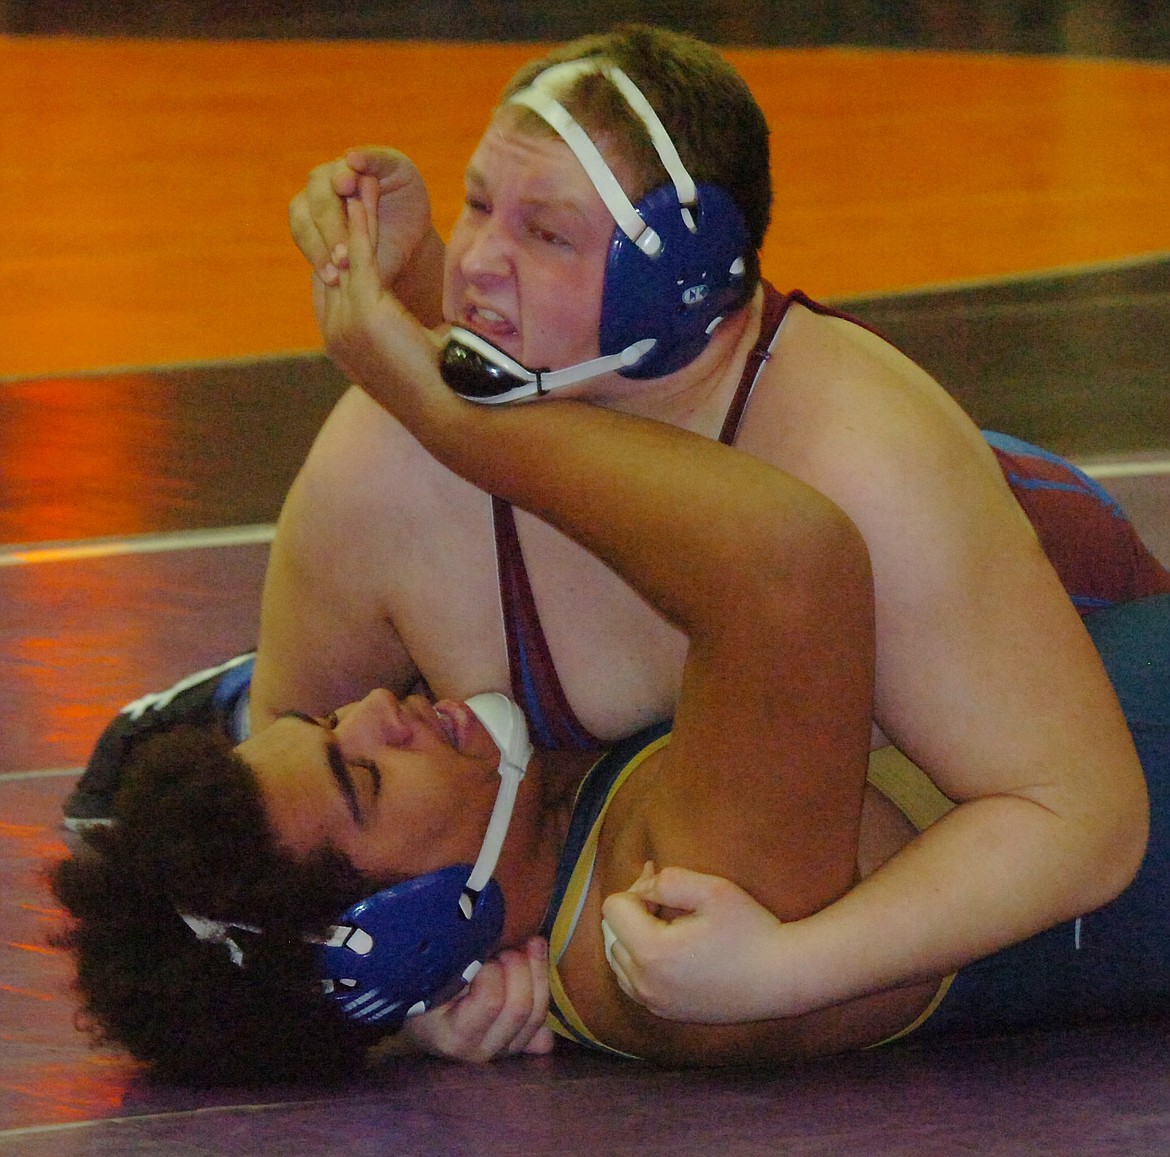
(375, 161)
(538, 994)
(306, 234)
(620, 961)
(513, 1026)
(463, 1028)
(542, 1043)
(343, 179)
(360, 251)
(456, 1029)
(369, 193)
(645, 880)
(473, 1013)
(320, 206)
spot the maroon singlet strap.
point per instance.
(536, 686)
(775, 307)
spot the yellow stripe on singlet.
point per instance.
(904, 784)
(574, 898)
(914, 794)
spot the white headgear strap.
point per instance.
(539, 97)
(506, 724)
(216, 932)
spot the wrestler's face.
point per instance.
(400, 787)
(526, 260)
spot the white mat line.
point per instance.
(256, 533)
(1135, 469)
(50, 773)
(27, 555)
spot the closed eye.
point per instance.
(338, 766)
(341, 774)
(374, 770)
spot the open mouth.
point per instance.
(488, 323)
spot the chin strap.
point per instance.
(506, 725)
(519, 381)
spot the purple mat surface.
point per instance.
(84, 636)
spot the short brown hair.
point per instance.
(706, 106)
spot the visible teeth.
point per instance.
(448, 726)
(490, 315)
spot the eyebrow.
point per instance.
(540, 200)
(337, 766)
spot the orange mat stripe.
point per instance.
(143, 184)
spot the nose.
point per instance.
(486, 251)
(369, 724)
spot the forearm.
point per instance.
(992, 872)
(419, 285)
(683, 542)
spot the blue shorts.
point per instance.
(1112, 964)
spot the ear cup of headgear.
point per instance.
(677, 295)
(411, 947)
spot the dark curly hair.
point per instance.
(707, 108)
(191, 835)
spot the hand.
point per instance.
(693, 947)
(395, 197)
(501, 1014)
(368, 332)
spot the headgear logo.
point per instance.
(694, 294)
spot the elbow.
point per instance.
(1132, 841)
(1121, 846)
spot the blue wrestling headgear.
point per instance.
(676, 265)
(417, 944)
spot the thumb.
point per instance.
(361, 245)
(677, 888)
(625, 917)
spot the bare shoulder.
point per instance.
(855, 418)
(362, 454)
(834, 392)
(366, 470)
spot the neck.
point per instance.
(532, 851)
(697, 396)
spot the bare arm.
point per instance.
(762, 779)
(326, 633)
(988, 680)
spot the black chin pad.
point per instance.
(471, 375)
